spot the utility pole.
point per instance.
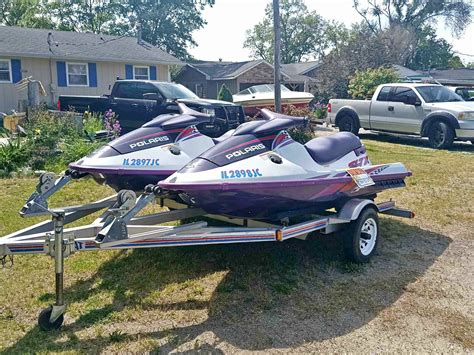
(276, 54)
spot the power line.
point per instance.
(467, 55)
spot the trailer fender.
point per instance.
(352, 208)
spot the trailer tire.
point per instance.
(44, 322)
(440, 135)
(362, 236)
(347, 123)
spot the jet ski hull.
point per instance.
(269, 199)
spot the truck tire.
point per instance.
(362, 236)
(347, 123)
(441, 135)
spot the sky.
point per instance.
(228, 20)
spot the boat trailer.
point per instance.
(119, 227)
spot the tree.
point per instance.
(455, 62)
(363, 50)
(431, 51)
(165, 23)
(364, 83)
(414, 14)
(225, 94)
(302, 33)
(96, 16)
(25, 13)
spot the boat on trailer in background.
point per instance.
(257, 97)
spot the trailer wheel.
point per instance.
(362, 236)
(44, 320)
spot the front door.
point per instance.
(403, 117)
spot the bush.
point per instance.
(13, 156)
(363, 84)
(299, 134)
(225, 94)
(77, 149)
(52, 141)
(92, 122)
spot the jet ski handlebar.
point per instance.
(200, 116)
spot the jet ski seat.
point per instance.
(324, 150)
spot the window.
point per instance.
(144, 88)
(437, 93)
(127, 91)
(77, 74)
(401, 93)
(135, 90)
(141, 73)
(5, 71)
(384, 93)
(199, 90)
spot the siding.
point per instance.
(191, 77)
(39, 69)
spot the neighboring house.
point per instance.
(453, 77)
(407, 74)
(74, 63)
(303, 76)
(206, 78)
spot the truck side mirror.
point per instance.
(410, 100)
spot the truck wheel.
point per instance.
(348, 124)
(441, 135)
(362, 236)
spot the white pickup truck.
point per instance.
(428, 110)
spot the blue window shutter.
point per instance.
(128, 71)
(61, 68)
(152, 72)
(92, 75)
(16, 70)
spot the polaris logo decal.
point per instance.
(246, 150)
(149, 141)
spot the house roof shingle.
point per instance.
(29, 42)
(461, 76)
(225, 70)
(299, 68)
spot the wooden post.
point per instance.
(276, 54)
(33, 93)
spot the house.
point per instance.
(206, 78)
(303, 75)
(453, 77)
(71, 63)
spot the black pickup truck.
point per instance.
(138, 101)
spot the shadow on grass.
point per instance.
(413, 141)
(274, 295)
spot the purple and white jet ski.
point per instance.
(261, 172)
(131, 162)
(150, 153)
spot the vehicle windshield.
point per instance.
(438, 93)
(261, 89)
(176, 91)
(466, 93)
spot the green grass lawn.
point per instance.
(293, 295)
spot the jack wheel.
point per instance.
(44, 320)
